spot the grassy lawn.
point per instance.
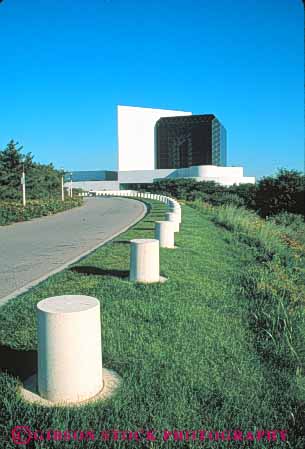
(184, 349)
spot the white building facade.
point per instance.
(137, 154)
(136, 136)
(137, 151)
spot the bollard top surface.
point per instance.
(143, 241)
(67, 304)
(164, 223)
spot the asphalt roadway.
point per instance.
(31, 251)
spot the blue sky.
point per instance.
(66, 65)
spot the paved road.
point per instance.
(32, 250)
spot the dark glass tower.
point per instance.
(190, 140)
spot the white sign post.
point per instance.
(62, 188)
(23, 188)
(71, 186)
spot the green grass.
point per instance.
(185, 349)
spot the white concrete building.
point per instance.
(137, 154)
(136, 138)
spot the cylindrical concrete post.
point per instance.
(177, 210)
(178, 214)
(69, 348)
(144, 260)
(170, 216)
(164, 232)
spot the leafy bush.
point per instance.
(294, 221)
(283, 192)
(196, 196)
(11, 212)
(271, 195)
(219, 199)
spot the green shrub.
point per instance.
(223, 198)
(271, 195)
(11, 212)
(283, 192)
(294, 221)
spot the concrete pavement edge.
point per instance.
(35, 282)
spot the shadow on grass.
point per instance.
(143, 229)
(22, 364)
(95, 271)
(126, 242)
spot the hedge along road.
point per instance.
(33, 250)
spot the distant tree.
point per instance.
(11, 165)
(41, 180)
(283, 192)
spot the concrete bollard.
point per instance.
(164, 232)
(144, 260)
(177, 211)
(170, 216)
(69, 348)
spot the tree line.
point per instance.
(282, 192)
(42, 180)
